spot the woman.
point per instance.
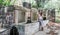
(40, 19)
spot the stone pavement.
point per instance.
(46, 31)
(40, 33)
(43, 32)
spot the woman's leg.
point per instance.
(40, 26)
(41, 23)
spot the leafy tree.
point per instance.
(39, 3)
(6, 2)
(52, 4)
(1, 1)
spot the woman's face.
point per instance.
(40, 14)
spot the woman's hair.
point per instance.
(41, 13)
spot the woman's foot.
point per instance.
(42, 29)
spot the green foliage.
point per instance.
(57, 21)
(34, 6)
(1, 2)
(6, 2)
(39, 4)
(52, 4)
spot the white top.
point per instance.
(41, 20)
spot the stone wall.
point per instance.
(31, 28)
(21, 16)
(34, 14)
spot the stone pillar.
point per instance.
(27, 15)
(16, 17)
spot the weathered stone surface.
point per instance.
(28, 29)
(31, 28)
